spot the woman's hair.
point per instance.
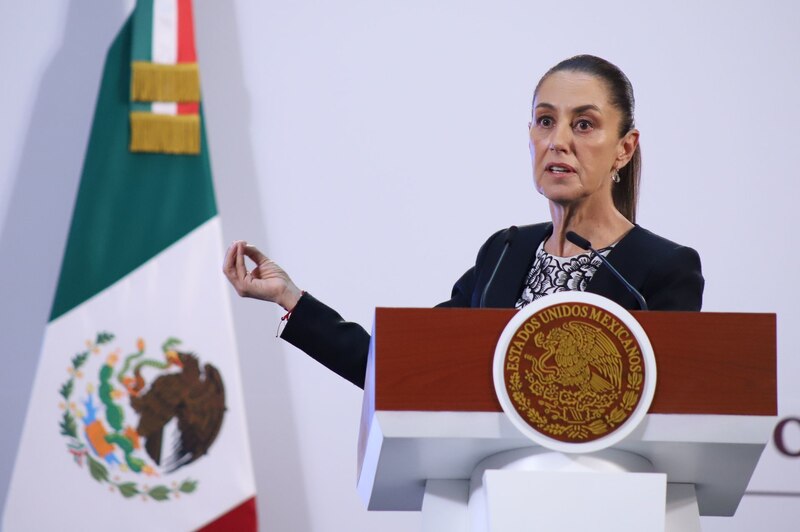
(626, 192)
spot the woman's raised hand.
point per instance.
(266, 281)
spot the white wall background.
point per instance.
(348, 136)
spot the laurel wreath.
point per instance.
(576, 432)
(79, 450)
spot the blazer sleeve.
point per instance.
(343, 346)
(339, 345)
(676, 282)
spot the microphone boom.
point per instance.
(582, 243)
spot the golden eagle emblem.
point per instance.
(577, 355)
(574, 372)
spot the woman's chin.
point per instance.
(561, 195)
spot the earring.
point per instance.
(615, 176)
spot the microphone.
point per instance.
(582, 243)
(510, 234)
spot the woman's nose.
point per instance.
(560, 138)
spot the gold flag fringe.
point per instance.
(153, 82)
(177, 134)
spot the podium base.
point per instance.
(530, 490)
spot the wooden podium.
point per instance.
(430, 414)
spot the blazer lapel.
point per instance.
(624, 258)
(507, 285)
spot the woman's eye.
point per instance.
(545, 121)
(583, 125)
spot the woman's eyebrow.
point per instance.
(587, 107)
(576, 110)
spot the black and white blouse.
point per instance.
(551, 274)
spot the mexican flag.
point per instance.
(136, 419)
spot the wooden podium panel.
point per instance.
(708, 363)
(430, 410)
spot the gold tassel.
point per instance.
(177, 134)
(153, 82)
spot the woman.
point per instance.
(586, 161)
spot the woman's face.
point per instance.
(574, 138)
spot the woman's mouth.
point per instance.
(559, 169)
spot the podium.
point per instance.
(430, 415)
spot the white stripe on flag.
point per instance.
(165, 32)
(165, 108)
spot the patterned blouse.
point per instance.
(551, 274)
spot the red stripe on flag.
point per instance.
(188, 108)
(243, 518)
(186, 50)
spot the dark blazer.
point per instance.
(667, 274)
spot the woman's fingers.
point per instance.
(241, 269)
(235, 269)
(229, 264)
(254, 253)
(259, 283)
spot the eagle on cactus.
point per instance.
(193, 396)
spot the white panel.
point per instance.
(543, 501)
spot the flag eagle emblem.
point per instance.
(120, 410)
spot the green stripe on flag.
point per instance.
(144, 107)
(130, 206)
(142, 49)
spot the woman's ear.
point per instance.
(627, 147)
